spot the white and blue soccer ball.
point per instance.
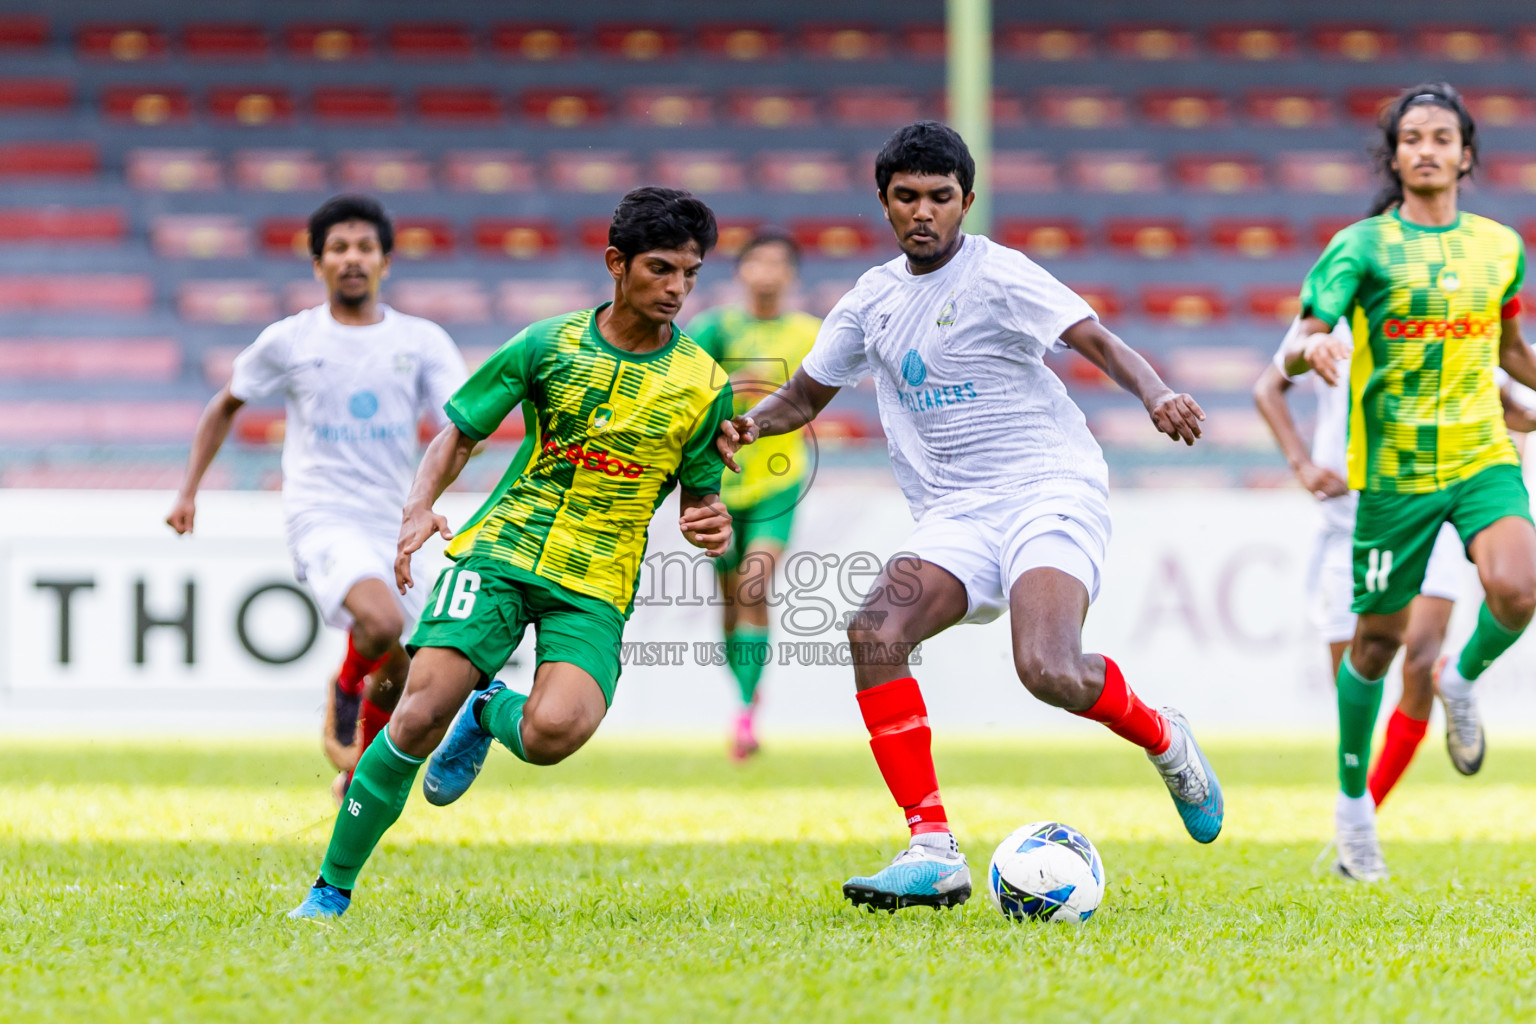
(1046, 871)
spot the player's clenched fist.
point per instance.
(735, 434)
(182, 514)
(416, 525)
(1177, 415)
(1324, 353)
(707, 527)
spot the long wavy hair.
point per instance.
(1427, 94)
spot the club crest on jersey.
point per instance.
(404, 362)
(913, 370)
(947, 314)
(363, 404)
(1448, 280)
(600, 420)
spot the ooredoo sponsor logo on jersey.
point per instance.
(1464, 326)
(594, 460)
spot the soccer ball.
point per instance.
(1047, 871)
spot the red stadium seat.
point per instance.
(1087, 107)
(1009, 110)
(735, 232)
(1328, 172)
(57, 225)
(1501, 108)
(1463, 44)
(1255, 239)
(224, 41)
(119, 42)
(1149, 238)
(301, 295)
(1114, 171)
(146, 104)
(488, 170)
(597, 171)
(1221, 173)
(286, 237)
(354, 103)
(430, 41)
(1078, 373)
(1525, 41)
(149, 359)
(1512, 172)
(1366, 104)
(563, 108)
(448, 103)
(1238, 429)
(1151, 42)
(200, 236)
(637, 42)
(1324, 228)
(1045, 42)
(1125, 428)
(76, 293)
(1026, 171)
(1044, 239)
(533, 42)
(259, 426)
(701, 171)
(882, 107)
(1183, 108)
(326, 42)
(836, 238)
(1277, 302)
(924, 42)
(843, 42)
(1528, 232)
(1289, 108)
(423, 239)
(278, 170)
(516, 239)
(1362, 43)
(36, 95)
(741, 42)
(592, 233)
(1253, 42)
(174, 170)
(659, 107)
(802, 171)
(96, 421)
(1184, 305)
(522, 302)
(1102, 297)
(20, 160)
(1215, 367)
(770, 108)
(21, 32)
(218, 364)
(250, 105)
(226, 302)
(383, 170)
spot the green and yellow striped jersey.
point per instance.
(1425, 305)
(610, 434)
(760, 356)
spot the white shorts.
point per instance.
(1332, 578)
(990, 548)
(331, 557)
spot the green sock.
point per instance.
(380, 784)
(1359, 700)
(746, 652)
(502, 717)
(1488, 640)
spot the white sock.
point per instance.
(944, 842)
(1451, 683)
(1354, 811)
(1177, 745)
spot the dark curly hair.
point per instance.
(339, 210)
(652, 217)
(1427, 94)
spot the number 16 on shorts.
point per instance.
(1378, 570)
(456, 590)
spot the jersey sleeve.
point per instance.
(262, 368)
(1030, 302)
(442, 373)
(1330, 288)
(837, 357)
(699, 470)
(495, 388)
(1511, 300)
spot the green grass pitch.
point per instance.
(656, 881)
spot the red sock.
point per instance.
(1126, 715)
(1403, 737)
(355, 667)
(899, 736)
(371, 719)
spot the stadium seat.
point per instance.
(218, 363)
(1512, 172)
(173, 170)
(1125, 428)
(1214, 367)
(516, 239)
(822, 297)
(303, 294)
(1254, 239)
(445, 41)
(55, 225)
(423, 239)
(39, 160)
(224, 41)
(114, 294)
(1278, 303)
(146, 104)
(1501, 108)
(843, 42)
(1528, 232)
(1328, 172)
(1288, 108)
(1044, 239)
(1238, 429)
(285, 237)
(139, 359)
(260, 426)
(802, 171)
(1024, 171)
(226, 301)
(1222, 173)
(1114, 171)
(383, 170)
(533, 42)
(1045, 42)
(1525, 41)
(1461, 44)
(1086, 107)
(1151, 42)
(36, 95)
(1253, 42)
(1324, 228)
(98, 422)
(770, 108)
(458, 105)
(1102, 297)
(1361, 43)
(563, 108)
(1009, 110)
(22, 32)
(1183, 108)
(637, 42)
(487, 171)
(1366, 103)
(278, 170)
(836, 238)
(250, 105)
(354, 103)
(592, 233)
(522, 302)
(735, 232)
(740, 42)
(705, 172)
(1149, 238)
(200, 236)
(326, 42)
(1183, 305)
(607, 172)
(923, 42)
(883, 107)
(445, 300)
(119, 42)
(658, 107)
(1078, 373)
(836, 426)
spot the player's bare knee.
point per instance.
(1512, 599)
(1371, 653)
(1056, 681)
(418, 724)
(550, 735)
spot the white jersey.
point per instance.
(971, 413)
(355, 396)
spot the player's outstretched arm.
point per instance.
(440, 466)
(1177, 415)
(791, 407)
(1269, 396)
(212, 428)
(705, 523)
(1515, 356)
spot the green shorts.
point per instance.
(482, 607)
(1394, 533)
(765, 524)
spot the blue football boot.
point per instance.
(1191, 781)
(920, 876)
(322, 901)
(458, 759)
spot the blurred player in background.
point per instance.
(760, 344)
(624, 407)
(1431, 297)
(1008, 487)
(358, 377)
